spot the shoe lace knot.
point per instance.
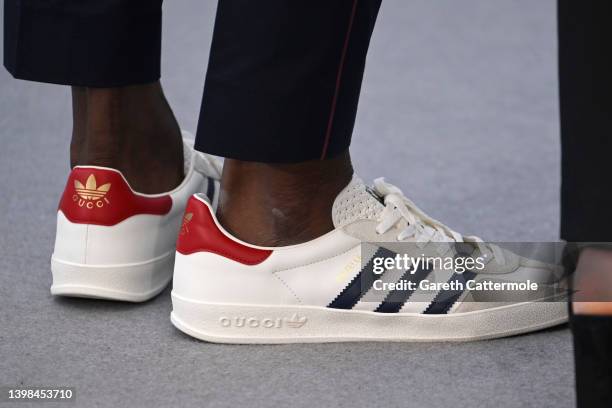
(419, 225)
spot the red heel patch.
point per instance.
(200, 233)
(103, 197)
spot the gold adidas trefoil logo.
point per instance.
(90, 195)
(186, 220)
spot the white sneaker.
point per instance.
(115, 243)
(229, 291)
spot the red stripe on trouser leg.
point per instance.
(332, 112)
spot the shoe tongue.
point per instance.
(356, 202)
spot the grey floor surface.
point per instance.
(459, 108)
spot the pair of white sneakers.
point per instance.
(115, 243)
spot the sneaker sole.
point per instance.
(136, 282)
(257, 324)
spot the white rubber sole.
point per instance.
(137, 282)
(232, 323)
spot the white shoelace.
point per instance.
(420, 225)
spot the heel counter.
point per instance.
(102, 196)
(212, 266)
(200, 233)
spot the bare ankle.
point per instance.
(131, 129)
(281, 204)
(592, 308)
(593, 283)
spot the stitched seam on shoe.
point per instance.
(275, 272)
(288, 288)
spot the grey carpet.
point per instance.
(459, 108)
